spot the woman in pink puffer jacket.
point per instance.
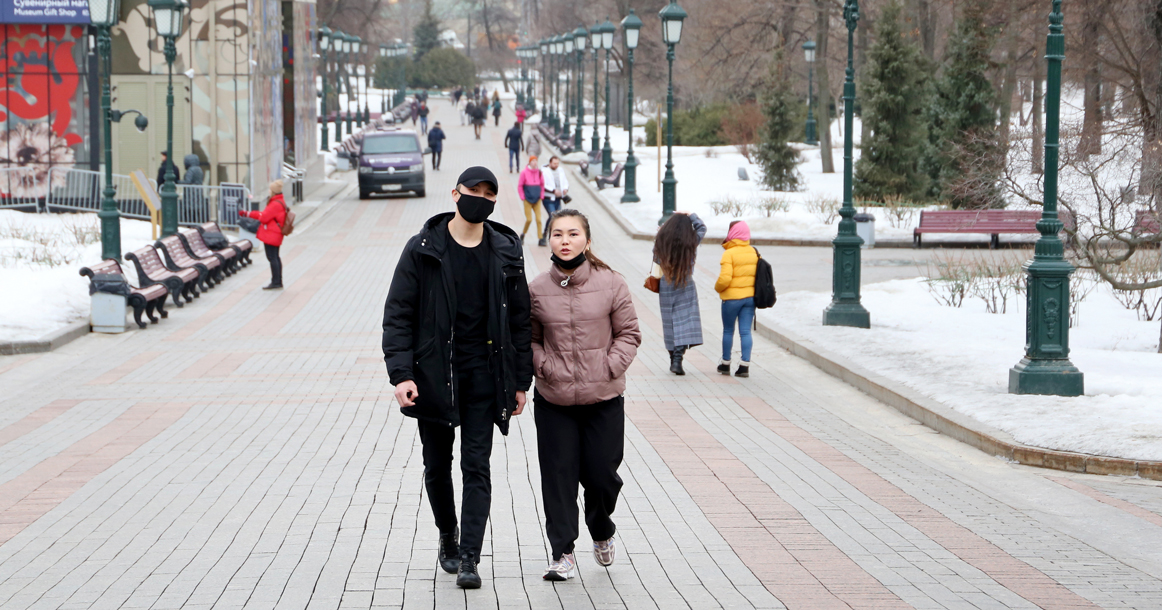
(585, 335)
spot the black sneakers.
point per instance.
(467, 578)
(724, 367)
(449, 558)
(272, 286)
(743, 370)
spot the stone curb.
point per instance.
(949, 422)
(48, 342)
(909, 402)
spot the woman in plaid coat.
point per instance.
(675, 250)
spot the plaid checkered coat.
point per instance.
(681, 321)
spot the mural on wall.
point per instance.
(42, 106)
(306, 100)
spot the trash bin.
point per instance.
(865, 228)
(108, 294)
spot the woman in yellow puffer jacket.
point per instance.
(736, 287)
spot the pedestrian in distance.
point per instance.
(415, 110)
(456, 341)
(530, 187)
(476, 92)
(478, 118)
(556, 188)
(514, 140)
(275, 222)
(675, 251)
(194, 208)
(533, 145)
(469, 110)
(161, 170)
(584, 337)
(436, 139)
(735, 285)
(496, 110)
(423, 112)
(521, 115)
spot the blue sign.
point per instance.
(45, 11)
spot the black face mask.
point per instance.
(572, 263)
(474, 209)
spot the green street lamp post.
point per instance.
(324, 47)
(631, 27)
(401, 52)
(567, 59)
(383, 53)
(366, 85)
(595, 39)
(337, 39)
(845, 308)
(520, 89)
(809, 52)
(549, 80)
(558, 48)
(545, 92)
(348, 43)
(530, 64)
(167, 15)
(579, 36)
(672, 16)
(355, 45)
(607, 30)
(1046, 368)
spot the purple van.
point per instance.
(391, 161)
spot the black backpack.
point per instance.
(764, 283)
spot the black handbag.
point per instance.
(248, 224)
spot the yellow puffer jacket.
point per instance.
(739, 263)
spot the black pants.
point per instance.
(436, 158)
(477, 405)
(275, 264)
(583, 445)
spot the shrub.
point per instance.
(441, 69)
(742, 126)
(701, 126)
(825, 209)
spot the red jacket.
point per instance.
(272, 219)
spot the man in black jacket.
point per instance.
(457, 340)
(515, 143)
(161, 171)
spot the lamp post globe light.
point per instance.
(845, 308)
(672, 16)
(607, 31)
(579, 36)
(595, 40)
(631, 27)
(1046, 368)
(168, 16)
(324, 46)
(567, 57)
(809, 54)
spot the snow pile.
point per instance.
(961, 358)
(40, 259)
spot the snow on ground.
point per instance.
(961, 358)
(40, 259)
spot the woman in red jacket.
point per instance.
(272, 219)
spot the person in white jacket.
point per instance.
(556, 189)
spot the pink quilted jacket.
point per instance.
(585, 335)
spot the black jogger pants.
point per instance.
(275, 264)
(582, 444)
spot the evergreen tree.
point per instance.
(896, 96)
(774, 154)
(426, 35)
(965, 155)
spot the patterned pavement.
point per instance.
(246, 453)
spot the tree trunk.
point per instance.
(866, 24)
(787, 33)
(922, 13)
(1009, 86)
(1038, 134)
(1150, 106)
(823, 100)
(1091, 125)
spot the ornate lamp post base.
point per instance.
(630, 179)
(846, 314)
(1046, 369)
(1046, 378)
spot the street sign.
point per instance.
(45, 11)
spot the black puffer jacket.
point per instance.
(420, 312)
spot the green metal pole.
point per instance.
(845, 308)
(811, 140)
(565, 60)
(1046, 368)
(595, 141)
(110, 216)
(630, 195)
(169, 191)
(366, 92)
(607, 150)
(347, 86)
(324, 104)
(580, 59)
(669, 183)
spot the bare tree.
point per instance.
(823, 100)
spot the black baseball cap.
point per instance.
(475, 175)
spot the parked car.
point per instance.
(391, 161)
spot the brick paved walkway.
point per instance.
(246, 453)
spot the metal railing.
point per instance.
(80, 190)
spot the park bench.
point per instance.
(192, 240)
(1146, 222)
(177, 258)
(151, 270)
(242, 246)
(613, 179)
(986, 222)
(146, 299)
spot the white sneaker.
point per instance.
(562, 569)
(604, 551)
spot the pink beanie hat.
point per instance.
(740, 231)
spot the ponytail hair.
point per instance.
(573, 213)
